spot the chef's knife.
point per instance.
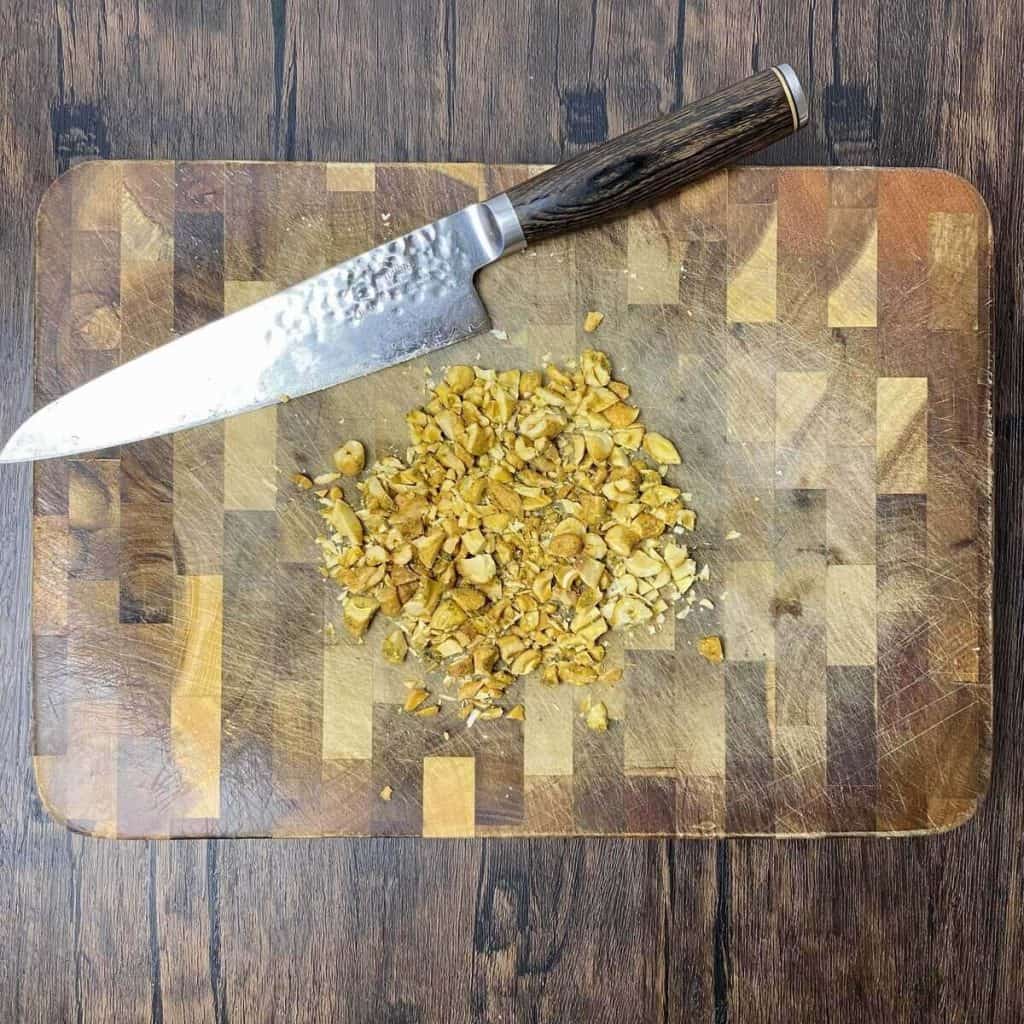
(409, 296)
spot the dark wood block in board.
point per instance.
(146, 563)
(198, 269)
(852, 748)
(499, 773)
(599, 786)
(748, 749)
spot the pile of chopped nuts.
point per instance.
(529, 518)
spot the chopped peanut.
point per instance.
(529, 518)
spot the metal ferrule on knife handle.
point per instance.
(408, 297)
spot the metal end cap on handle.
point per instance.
(795, 91)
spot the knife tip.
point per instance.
(9, 455)
(18, 448)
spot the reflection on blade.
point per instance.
(395, 302)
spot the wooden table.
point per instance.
(929, 929)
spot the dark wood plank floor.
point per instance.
(925, 930)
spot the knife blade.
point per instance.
(407, 297)
(393, 303)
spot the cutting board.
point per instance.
(816, 341)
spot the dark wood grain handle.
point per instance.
(642, 166)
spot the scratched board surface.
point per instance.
(816, 341)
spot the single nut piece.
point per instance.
(629, 611)
(661, 449)
(629, 437)
(577, 675)
(710, 647)
(459, 378)
(597, 717)
(504, 497)
(592, 321)
(596, 367)
(621, 415)
(510, 646)
(447, 617)
(427, 548)
(415, 698)
(343, 518)
(642, 564)
(484, 658)
(477, 569)
(599, 444)
(621, 539)
(571, 525)
(468, 599)
(395, 647)
(648, 526)
(350, 458)
(525, 663)
(358, 612)
(565, 545)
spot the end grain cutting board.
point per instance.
(817, 342)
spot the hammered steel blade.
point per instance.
(407, 297)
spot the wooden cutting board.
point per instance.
(817, 342)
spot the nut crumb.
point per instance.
(710, 647)
(415, 698)
(592, 321)
(386, 793)
(597, 717)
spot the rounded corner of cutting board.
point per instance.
(65, 181)
(48, 791)
(959, 182)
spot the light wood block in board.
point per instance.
(196, 694)
(953, 271)
(853, 292)
(449, 804)
(851, 614)
(350, 177)
(902, 443)
(753, 262)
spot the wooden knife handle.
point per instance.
(642, 166)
